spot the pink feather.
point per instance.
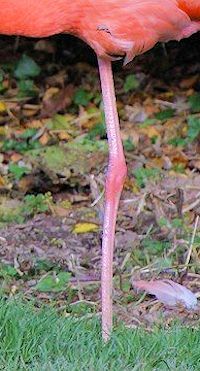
(168, 292)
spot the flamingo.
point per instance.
(115, 29)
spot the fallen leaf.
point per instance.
(36, 124)
(189, 82)
(16, 157)
(50, 93)
(150, 131)
(44, 139)
(85, 228)
(63, 135)
(26, 183)
(56, 100)
(2, 182)
(157, 162)
(60, 211)
(3, 107)
(168, 292)
(176, 155)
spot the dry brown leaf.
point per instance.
(158, 162)
(56, 100)
(176, 155)
(150, 131)
(189, 82)
(26, 183)
(60, 211)
(2, 182)
(63, 135)
(15, 157)
(150, 107)
(44, 139)
(36, 124)
(50, 93)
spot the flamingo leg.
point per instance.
(116, 174)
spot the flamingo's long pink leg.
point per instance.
(116, 174)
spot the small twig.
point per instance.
(11, 115)
(143, 296)
(180, 202)
(83, 301)
(79, 286)
(129, 200)
(191, 243)
(125, 260)
(39, 133)
(99, 198)
(141, 204)
(165, 103)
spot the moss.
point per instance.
(10, 211)
(69, 161)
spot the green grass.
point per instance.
(40, 339)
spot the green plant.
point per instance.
(179, 168)
(148, 122)
(2, 87)
(53, 282)
(165, 114)
(177, 142)
(25, 71)
(194, 103)
(7, 271)
(26, 88)
(82, 97)
(192, 133)
(155, 247)
(142, 175)
(18, 171)
(36, 204)
(99, 130)
(22, 142)
(131, 83)
(82, 308)
(193, 128)
(128, 145)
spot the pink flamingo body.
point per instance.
(114, 29)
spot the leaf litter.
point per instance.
(52, 169)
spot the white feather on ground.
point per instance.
(168, 292)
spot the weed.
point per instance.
(36, 204)
(165, 114)
(131, 83)
(142, 175)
